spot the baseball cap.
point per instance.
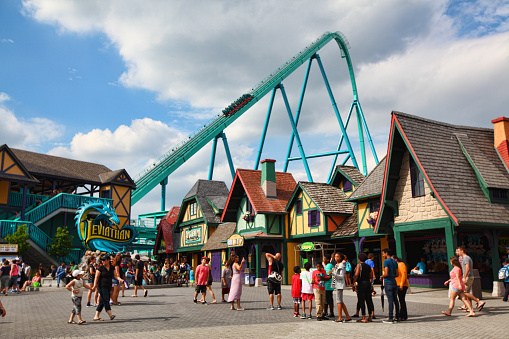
(75, 273)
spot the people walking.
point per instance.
(339, 285)
(103, 279)
(138, 277)
(390, 272)
(209, 283)
(14, 274)
(202, 275)
(5, 277)
(91, 279)
(403, 285)
(505, 278)
(363, 275)
(274, 279)
(75, 286)
(457, 288)
(236, 282)
(467, 266)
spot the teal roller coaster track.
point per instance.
(159, 171)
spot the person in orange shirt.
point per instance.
(403, 285)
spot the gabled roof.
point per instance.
(249, 181)
(214, 191)
(349, 172)
(119, 177)
(446, 168)
(329, 199)
(217, 240)
(22, 174)
(372, 185)
(348, 227)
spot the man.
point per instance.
(506, 281)
(273, 283)
(318, 280)
(468, 277)
(329, 299)
(390, 272)
(138, 276)
(201, 277)
(420, 268)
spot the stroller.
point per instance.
(182, 276)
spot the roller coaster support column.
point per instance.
(213, 157)
(338, 116)
(163, 193)
(228, 155)
(296, 133)
(297, 113)
(361, 141)
(368, 135)
(265, 126)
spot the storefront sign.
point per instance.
(9, 248)
(235, 240)
(307, 246)
(193, 235)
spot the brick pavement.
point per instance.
(170, 312)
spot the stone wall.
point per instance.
(414, 209)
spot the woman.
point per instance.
(91, 279)
(363, 276)
(104, 276)
(236, 286)
(457, 288)
(4, 276)
(209, 283)
(115, 290)
(41, 270)
(35, 279)
(226, 280)
(403, 285)
(339, 275)
(14, 273)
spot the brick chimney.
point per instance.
(269, 178)
(501, 126)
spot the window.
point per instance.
(249, 207)
(374, 206)
(417, 179)
(347, 186)
(313, 218)
(192, 208)
(498, 194)
(298, 206)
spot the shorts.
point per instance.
(76, 301)
(4, 281)
(297, 300)
(190, 281)
(469, 281)
(339, 296)
(225, 290)
(308, 296)
(329, 299)
(13, 281)
(456, 290)
(115, 282)
(201, 288)
(274, 288)
(138, 282)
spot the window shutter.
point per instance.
(317, 217)
(309, 218)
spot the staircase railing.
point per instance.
(16, 199)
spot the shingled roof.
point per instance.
(453, 178)
(217, 240)
(348, 227)
(350, 172)
(215, 191)
(328, 198)
(372, 185)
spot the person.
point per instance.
(296, 291)
(403, 285)
(72, 267)
(60, 273)
(457, 288)
(339, 285)
(115, 290)
(191, 278)
(506, 280)
(209, 283)
(41, 270)
(3, 312)
(35, 279)
(53, 271)
(91, 278)
(318, 278)
(129, 274)
(138, 277)
(363, 276)
(75, 287)
(27, 270)
(420, 268)
(329, 289)
(226, 280)
(274, 279)
(390, 271)
(14, 274)
(307, 290)
(166, 272)
(348, 271)
(104, 276)
(236, 284)
(202, 275)
(155, 273)
(5, 277)
(468, 277)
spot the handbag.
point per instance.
(275, 277)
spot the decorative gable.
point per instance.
(11, 168)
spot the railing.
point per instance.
(16, 199)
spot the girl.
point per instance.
(236, 285)
(457, 287)
(75, 286)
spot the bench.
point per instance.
(428, 280)
(48, 282)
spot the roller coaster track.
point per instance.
(154, 174)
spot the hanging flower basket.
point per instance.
(371, 221)
(248, 216)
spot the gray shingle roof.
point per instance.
(348, 227)
(216, 191)
(329, 199)
(373, 183)
(217, 240)
(351, 172)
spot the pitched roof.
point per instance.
(249, 181)
(5, 174)
(217, 240)
(348, 227)
(350, 172)
(372, 185)
(451, 175)
(215, 191)
(328, 198)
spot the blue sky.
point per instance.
(121, 82)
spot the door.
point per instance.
(215, 262)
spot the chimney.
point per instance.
(269, 178)
(501, 126)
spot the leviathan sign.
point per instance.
(104, 232)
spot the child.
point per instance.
(307, 290)
(318, 280)
(75, 286)
(296, 291)
(191, 278)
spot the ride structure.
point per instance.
(158, 172)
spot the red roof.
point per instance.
(165, 228)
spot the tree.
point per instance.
(20, 238)
(61, 244)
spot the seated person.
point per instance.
(129, 274)
(53, 273)
(35, 279)
(420, 268)
(166, 272)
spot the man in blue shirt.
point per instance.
(390, 272)
(506, 282)
(420, 268)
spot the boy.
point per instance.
(75, 287)
(296, 291)
(307, 290)
(202, 275)
(318, 280)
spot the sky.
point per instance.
(121, 82)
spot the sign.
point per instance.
(235, 240)
(9, 248)
(193, 235)
(307, 246)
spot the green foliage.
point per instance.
(61, 244)
(19, 237)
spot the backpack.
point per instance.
(503, 273)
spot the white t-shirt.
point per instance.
(307, 287)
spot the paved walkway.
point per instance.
(170, 312)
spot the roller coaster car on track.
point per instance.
(237, 104)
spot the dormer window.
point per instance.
(193, 208)
(298, 206)
(347, 186)
(498, 194)
(249, 207)
(313, 218)
(417, 180)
